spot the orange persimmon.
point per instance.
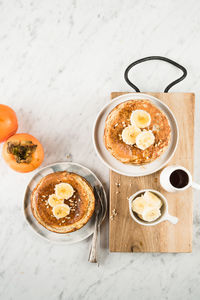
(23, 152)
(8, 122)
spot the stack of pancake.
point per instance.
(137, 132)
(63, 202)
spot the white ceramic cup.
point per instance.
(165, 216)
(165, 179)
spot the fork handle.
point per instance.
(93, 250)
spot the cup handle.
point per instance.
(195, 185)
(171, 219)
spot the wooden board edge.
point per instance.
(126, 92)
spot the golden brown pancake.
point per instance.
(82, 203)
(120, 117)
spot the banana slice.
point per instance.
(140, 118)
(145, 139)
(140, 216)
(61, 211)
(129, 134)
(54, 200)
(64, 190)
(151, 214)
(152, 200)
(138, 205)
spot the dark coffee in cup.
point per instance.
(179, 179)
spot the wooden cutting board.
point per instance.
(128, 236)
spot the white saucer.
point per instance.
(129, 169)
(72, 237)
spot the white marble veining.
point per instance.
(59, 61)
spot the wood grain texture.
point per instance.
(128, 236)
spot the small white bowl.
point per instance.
(165, 216)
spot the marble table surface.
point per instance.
(59, 61)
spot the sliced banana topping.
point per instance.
(140, 118)
(145, 139)
(151, 214)
(152, 200)
(139, 204)
(129, 134)
(54, 200)
(61, 211)
(147, 206)
(64, 190)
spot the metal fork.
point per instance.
(99, 208)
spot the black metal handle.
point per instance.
(155, 58)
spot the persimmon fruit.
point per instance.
(8, 122)
(23, 152)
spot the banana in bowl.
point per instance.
(63, 202)
(147, 206)
(137, 132)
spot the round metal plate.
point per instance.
(130, 169)
(72, 237)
